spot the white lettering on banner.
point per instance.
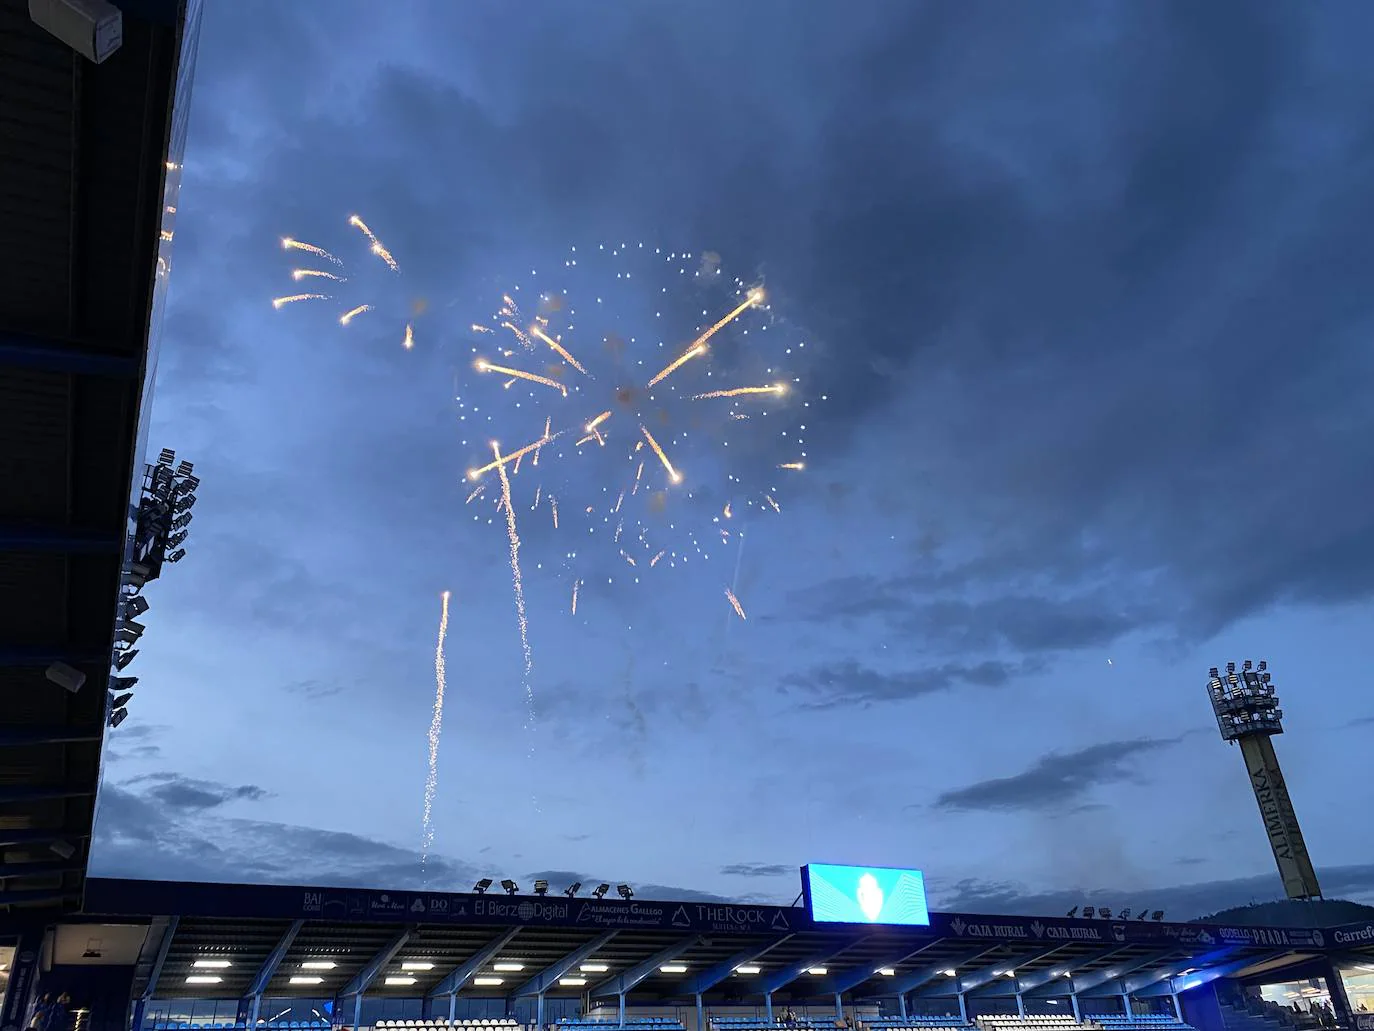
(964, 929)
(1256, 935)
(523, 910)
(619, 914)
(313, 902)
(1360, 934)
(1055, 933)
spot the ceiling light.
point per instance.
(747, 968)
(487, 982)
(572, 982)
(887, 971)
(399, 979)
(674, 968)
(318, 964)
(306, 979)
(511, 966)
(593, 968)
(817, 971)
(950, 973)
(417, 964)
(212, 964)
(1010, 973)
(204, 979)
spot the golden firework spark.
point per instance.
(698, 346)
(289, 244)
(654, 561)
(408, 341)
(377, 248)
(794, 466)
(553, 507)
(353, 313)
(557, 348)
(638, 473)
(481, 489)
(776, 506)
(313, 273)
(734, 603)
(774, 389)
(518, 585)
(673, 474)
(485, 366)
(478, 328)
(436, 726)
(591, 426)
(514, 456)
(727, 512)
(548, 423)
(576, 586)
(278, 302)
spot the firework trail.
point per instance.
(518, 584)
(436, 726)
(734, 603)
(326, 279)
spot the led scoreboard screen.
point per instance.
(865, 895)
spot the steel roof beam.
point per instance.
(274, 959)
(1097, 978)
(981, 983)
(374, 966)
(908, 982)
(697, 984)
(624, 982)
(1044, 983)
(21, 351)
(68, 540)
(1166, 976)
(548, 977)
(453, 981)
(818, 957)
(848, 980)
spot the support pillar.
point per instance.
(357, 1011)
(1178, 1007)
(768, 1006)
(621, 997)
(539, 1010)
(1127, 1007)
(452, 1008)
(1020, 1005)
(963, 1009)
(701, 1014)
(839, 1007)
(1340, 1001)
(901, 1005)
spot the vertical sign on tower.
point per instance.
(1248, 713)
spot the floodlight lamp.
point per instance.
(166, 457)
(1072, 913)
(175, 540)
(510, 886)
(1263, 665)
(1247, 664)
(117, 717)
(599, 892)
(1214, 673)
(124, 658)
(185, 468)
(177, 555)
(1158, 914)
(1104, 912)
(137, 605)
(123, 683)
(572, 889)
(1089, 912)
(182, 520)
(625, 891)
(541, 887)
(480, 888)
(119, 701)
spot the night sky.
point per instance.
(1079, 309)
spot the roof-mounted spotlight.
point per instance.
(177, 539)
(182, 521)
(129, 633)
(1158, 914)
(117, 717)
(1104, 912)
(177, 555)
(510, 886)
(572, 889)
(480, 888)
(123, 683)
(136, 606)
(1088, 912)
(119, 701)
(625, 891)
(541, 887)
(1072, 913)
(599, 892)
(124, 658)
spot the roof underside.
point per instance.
(82, 155)
(854, 961)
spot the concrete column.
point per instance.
(701, 1014)
(621, 1008)
(768, 1006)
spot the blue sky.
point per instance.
(1087, 304)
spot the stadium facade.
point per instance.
(149, 956)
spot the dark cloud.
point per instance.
(1179, 902)
(848, 683)
(758, 870)
(1055, 780)
(174, 791)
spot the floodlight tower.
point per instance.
(1248, 713)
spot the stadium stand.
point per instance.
(1141, 1021)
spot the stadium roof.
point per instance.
(444, 941)
(83, 167)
